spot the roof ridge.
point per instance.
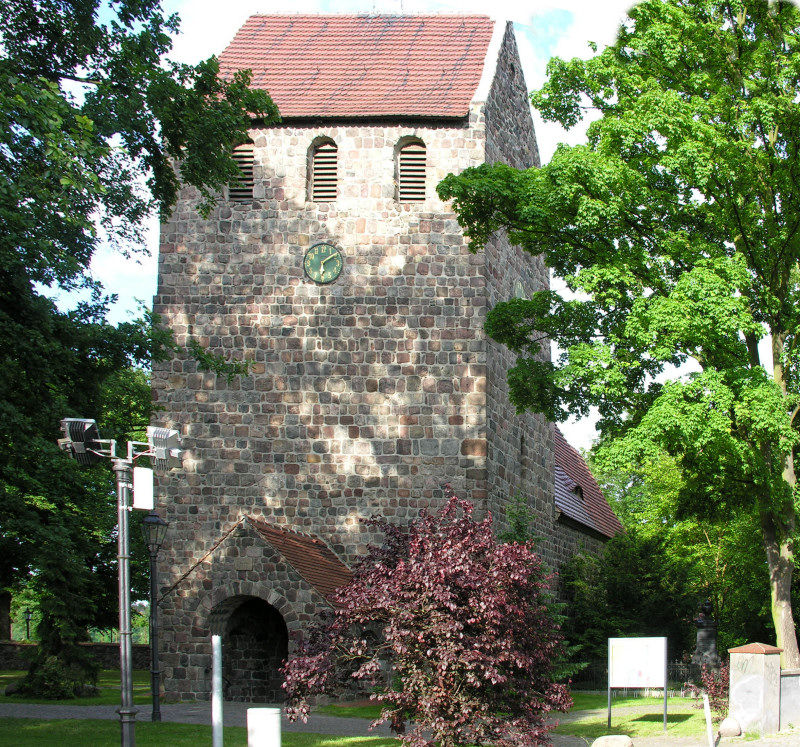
(366, 14)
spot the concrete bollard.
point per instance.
(263, 727)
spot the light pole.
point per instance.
(28, 615)
(83, 443)
(154, 529)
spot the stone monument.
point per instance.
(705, 653)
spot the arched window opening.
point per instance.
(411, 163)
(244, 156)
(324, 177)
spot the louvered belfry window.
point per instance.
(411, 172)
(243, 155)
(323, 172)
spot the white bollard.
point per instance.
(216, 690)
(263, 727)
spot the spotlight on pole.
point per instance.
(165, 446)
(81, 440)
(83, 443)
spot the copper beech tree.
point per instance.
(449, 628)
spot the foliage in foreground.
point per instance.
(452, 628)
(716, 685)
(676, 226)
(628, 589)
(93, 119)
(692, 558)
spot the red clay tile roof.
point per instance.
(309, 556)
(363, 65)
(591, 508)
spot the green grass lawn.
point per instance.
(637, 725)
(683, 719)
(371, 711)
(582, 701)
(108, 682)
(24, 732)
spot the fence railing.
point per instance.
(595, 677)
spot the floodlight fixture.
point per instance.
(165, 448)
(81, 440)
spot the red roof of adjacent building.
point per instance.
(310, 557)
(363, 65)
(588, 505)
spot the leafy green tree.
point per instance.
(629, 589)
(698, 558)
(677, 225)
(97, 130)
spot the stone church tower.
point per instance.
(343, 280)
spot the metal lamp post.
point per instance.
(154, 529)
(83, 443)
(28, 615)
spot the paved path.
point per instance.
(235, 714)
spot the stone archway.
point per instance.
(255, 643)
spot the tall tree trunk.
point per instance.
(5, 616)
(781, 566)
(777, 530)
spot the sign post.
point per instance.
(637, 663)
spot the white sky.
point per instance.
(544, 28)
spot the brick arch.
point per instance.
(255, 643)
(222, 599)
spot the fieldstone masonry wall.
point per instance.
(365, 396)
(239, 591)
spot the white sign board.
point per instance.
(143, 488)
(637, 662)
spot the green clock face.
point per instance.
(323, 263)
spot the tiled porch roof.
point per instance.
(309, 556)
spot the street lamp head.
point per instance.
(28, 614)
(165, 446)
(81, 440)
(154, 529)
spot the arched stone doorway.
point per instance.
(255, 643)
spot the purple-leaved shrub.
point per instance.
(451, 629)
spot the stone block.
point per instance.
(790, 698)
(755, 687)
(613, 740)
